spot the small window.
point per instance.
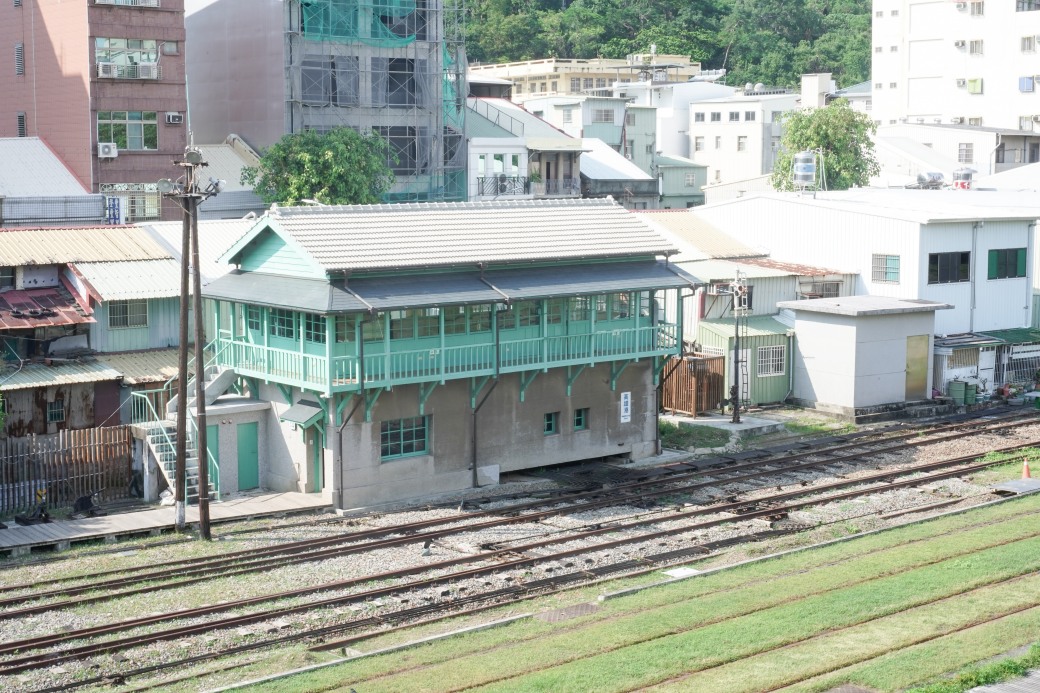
(603, 115)
(771, 361)
(975, 47)
(575, 84)
(1027, 5)
(877, 49)
(734, 116)
(345, 328)
(372, 329)
(1025, 123)
(716, 116)
(1029, 44)
(282, 324)
(630, 118)
(542, 87)
(879, 13)
(132, 313)
(554, 86)
(403, 437)
(975, 86)
(19, 59)
(893, 49)
(56, 411)
(698, 144)
(749, 116)
(892, 85)
(718, 142)
(1007, 263)
(949, 268)
(580, 308)
(774, 142)
(620, 306)
(978, 8)
(895, 13)
(554, 309)
(741, 143)
(253, 318)
(885, 269)
(17, 3)
(171, 48)
(428, 322)
(601, 83)
(21, 124)
(966, 153)
(581, 419)
(568, 115)
(480, 318)
(586, 83)
(7, 277)
(1026, 84)
(551, 423)
(698, 117)
(976, 121)
(402, 324)
(690, 179)
(314, 328)
(878, 85)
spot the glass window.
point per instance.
(480, 318)
(603, 115)
(403, 437)
(698, 117)
(7, 277)
(402, 324)
(630, 118)
(554, 310)
(885, 269)
(690, 180)
(130, 130)
(1029, 44)
(586, 83)
(949, 268)
(345, 326)
(601, 308)
(579, 308)
(741, 143)
(314, 327)
(1007, 263)
(771, 360)
(1025, 84)
(620, 306)
(975, 86)
(716, 116)
(551, 423)
(132, 313)
(575, 84)
(581, 419)
(734, 116)
(749, 115)
(975, 47)
(372, 328)
(56, 411)
(601, 83)
(1027, 5)
(718, 142)
(428, 322)
(126, 52)
(978, 8)
(965, 152)
(698, 144)
(526, 313)
(254, 320)
(283, 323)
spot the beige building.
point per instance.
(537, 78)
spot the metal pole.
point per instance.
(180, 464)
(200, 374)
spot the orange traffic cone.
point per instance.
(1025, 468)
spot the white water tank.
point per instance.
(804, 169)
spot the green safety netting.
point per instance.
(374, 22)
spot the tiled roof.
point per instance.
(418, 235)
(114, 281)
(57, 373)
(60, 246)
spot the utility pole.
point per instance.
(739, 309)
(187, 192)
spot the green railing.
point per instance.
(342, 373)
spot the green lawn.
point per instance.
(889, 611)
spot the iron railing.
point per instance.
(503, 185)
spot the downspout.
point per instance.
(790, 364)
(337, 452)
(971, 269)
(1028, 321)
(494, 384)
(659, 390)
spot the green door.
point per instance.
(248, 456)
(213, 446)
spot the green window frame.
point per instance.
(402, 324)
(479, 318)
(580, 308)
(254, 318)
(949, 268)
(372, 330)
(282, 323)
(314, 328)
(884, 269)
(404, 437)
(428, 322)
(551, 423)
(56, 410)
(129, 130)
(127, 314)
(345, 325)
(602, 311)
(620, 306)
(581, 419)
(554, 309)
(454, 319)
(1006, 263)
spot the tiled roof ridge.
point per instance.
(313, 210)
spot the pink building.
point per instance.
(102, 83)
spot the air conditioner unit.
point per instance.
(961, 82)
(1036, 119)
(174, 118)
(962, 5)
(956, 120)
(958, 44)
(107, 70)
(148, 71)
(107, 150)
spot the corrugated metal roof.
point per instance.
(223, 162)
(757, 326)
(140, 367)
(791, 267)
(59, 373)
(60, 246)
(708, 271)
(32, 308)
(30, 167)
(215, 237)
(599, 161)
(115, 281)
(364, 237)
(703, 238)
(1021, 335)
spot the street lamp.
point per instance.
(187, 192)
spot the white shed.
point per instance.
(858, 354)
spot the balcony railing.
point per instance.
(503, 185)
(344, 373)
(129, 3)
(138, 71)
(557, 187)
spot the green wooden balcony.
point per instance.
(344, 374)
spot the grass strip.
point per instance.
(839, 649)
(670, 615)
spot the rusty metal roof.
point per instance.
(792, 267)
(29, 308)
(61, 246)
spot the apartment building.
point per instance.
(102, 83)
(265, 68)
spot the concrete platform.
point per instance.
(60, 535)
(748, 426)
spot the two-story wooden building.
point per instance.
(418, 348)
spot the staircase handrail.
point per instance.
(212, 361)
(155, 418)
(214, 469)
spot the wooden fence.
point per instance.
(64, 466)
(695, 386)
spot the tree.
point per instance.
(336, 167)
(841, 133)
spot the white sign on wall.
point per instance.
(626, 407)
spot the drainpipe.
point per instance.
(494, 384)
(790, 364)
(974, 259)
(337, 443)
(1030, 250)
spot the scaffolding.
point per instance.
(395, 68)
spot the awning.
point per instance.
(554, 144)
(304, 413)
(601, 278)
(308, 295)
(424, 290)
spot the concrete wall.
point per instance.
(284, 463)
(227, 413)
(844, 362)
(510, 434)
